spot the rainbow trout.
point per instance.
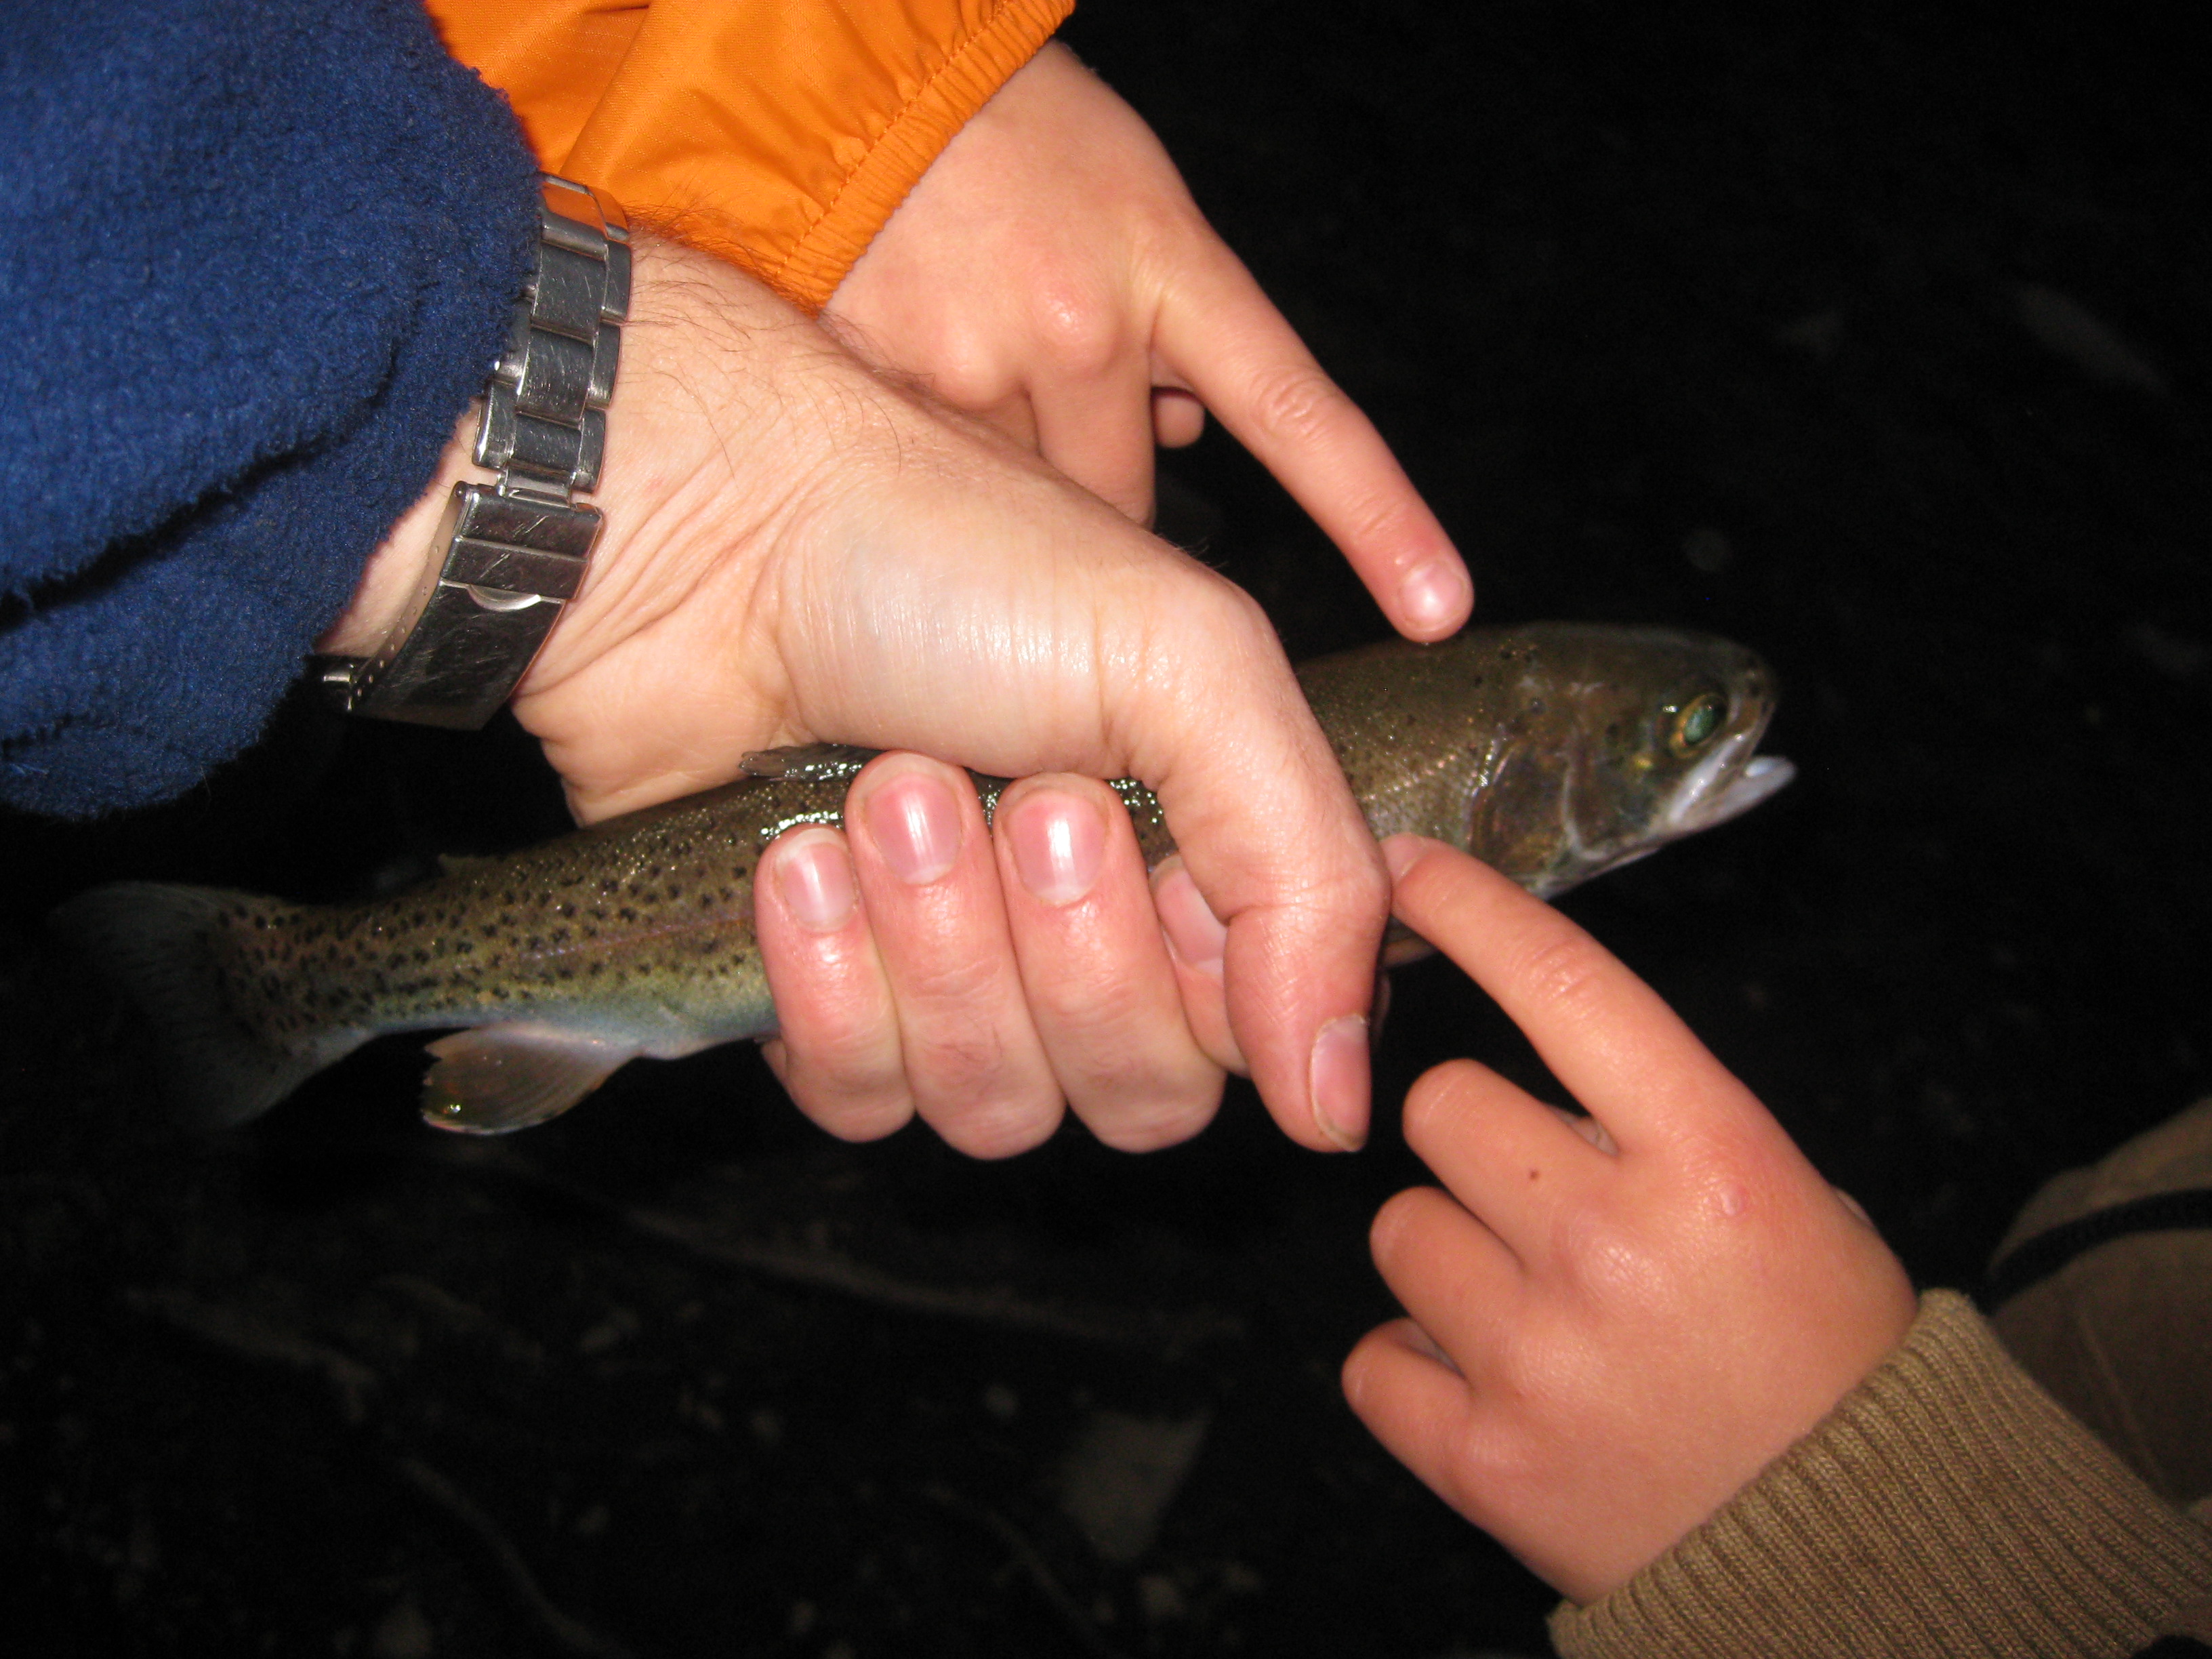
(1552, 751)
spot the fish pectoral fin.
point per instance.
(1401, 945)
(808, 761)
(496, 1078)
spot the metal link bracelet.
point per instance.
(513, 554)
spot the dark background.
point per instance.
(1702, 314)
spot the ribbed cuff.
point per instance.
(1947, 1506)
(810, 273)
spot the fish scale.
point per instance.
(1552, 751)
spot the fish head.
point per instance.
(1617, 741)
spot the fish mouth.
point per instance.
(1727, 786)
(1722, 790)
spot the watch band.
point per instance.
(513, 553)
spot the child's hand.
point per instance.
(1622, 1319)
(1051, 274)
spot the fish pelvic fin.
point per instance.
(496, 1078)
(153, 942)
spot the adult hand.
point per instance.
(1051, 274)
(798, 550)
(1617, 1322)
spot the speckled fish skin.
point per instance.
(1544, 750)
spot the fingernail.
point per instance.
(1339, 1081)
(814, 879)
(1059, 845)
(915, 825)
(1435, 595)
(1401, 853)
(1194, 933)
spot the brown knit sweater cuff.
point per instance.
(1947, 1506)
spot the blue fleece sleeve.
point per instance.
(258, 258)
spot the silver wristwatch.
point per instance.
(513, 554)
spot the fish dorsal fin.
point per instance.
(808, 761)
(495, 1078)
(461, 864)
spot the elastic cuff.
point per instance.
(1947, 1505)
(810, 273)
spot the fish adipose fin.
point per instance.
(152, 942)
(495, 1078)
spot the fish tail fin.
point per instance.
(153, 943)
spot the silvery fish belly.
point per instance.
(1553, 752)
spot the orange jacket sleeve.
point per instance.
(780, 135)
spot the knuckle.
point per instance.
(1566, 970)
(867, 1118)
(1080, 332)
(971, 384)
(1367, 884)
(1605, 1262)
(1380, 516)
(1000, 1128)
(1216, 639)
(1108, 1014)
(847, 1044)
(1236, 621)
(1296, 403)
(961, 363)
(948, 981)
(962, 1062)
(1743, 1178)
(1172, 1106)
(854, 1093)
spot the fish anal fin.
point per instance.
(496, 1078)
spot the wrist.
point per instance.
(457, 637)
(408, 557)
(705, 454)
(641, 478)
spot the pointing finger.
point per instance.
(1605, 1034)
(1221, 335)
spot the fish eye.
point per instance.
(1697, 723)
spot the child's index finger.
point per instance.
(1606, 1035)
